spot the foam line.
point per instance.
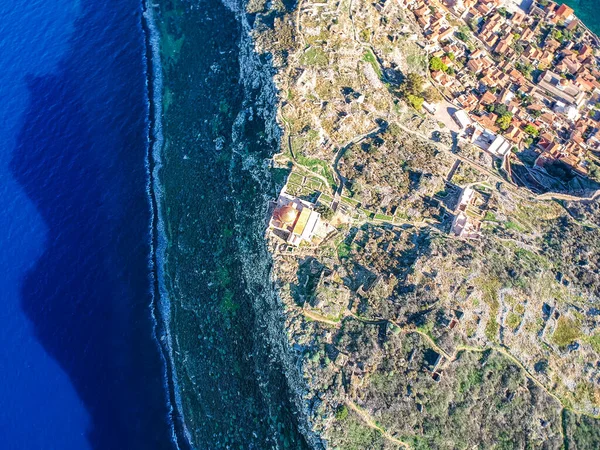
(160, 306)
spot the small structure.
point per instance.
(462, 119)
(437, 375)
(499, 147)
(452, 321)
(433, 362)
(294, 220)
(341, 359)
(470, 210)
(458, 314)
(429, 107)
(331, 296)
(463, 226)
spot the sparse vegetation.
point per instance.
(531, 130)
(567, 331)
(413, 288)
(464, 34)
(314, 56)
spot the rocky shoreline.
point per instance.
(261, 102)
(160, 307)
(417, 331)
(225, 336)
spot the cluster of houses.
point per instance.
(522, 79)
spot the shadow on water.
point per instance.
(80, 159)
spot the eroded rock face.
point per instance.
(260, 108)
(227, 346)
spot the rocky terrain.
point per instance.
(404, 334)
(228, 375)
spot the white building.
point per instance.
(569, 111)
(499, 147)
(462, 119)
(466, 223)
(295, 219)
(429, 107)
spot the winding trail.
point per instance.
(459, 349)
(370, 422)
(341, 179)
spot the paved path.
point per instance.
(443, 114)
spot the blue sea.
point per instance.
(79, 363)
(587, 11)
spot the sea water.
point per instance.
(79, 365)
(588, 11)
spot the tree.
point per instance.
(341, 413)
(464, 33)
(525, 69)
(535, 113)
(504, 121)
(415, 101)
(594, 172)
(531, 130)
(558, 35)
(413, 84)
(499, 109)
(432, 95)
(325, 211)
(436, 64)
(568, 35)
(525, 100)
(517, 47)
(474, 24)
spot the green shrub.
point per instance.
(464, 34)
(341, 413)
(531, 130)
(595, 342)
(413, 84)
(504, 121)
(415, 101)
(370, 57)
(436, 64)
(314, 57)
(513, 320)
(567, 330)
(325, 211)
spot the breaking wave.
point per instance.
(160, 297)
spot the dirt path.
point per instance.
(368, 420)
(319, 318)
(455, 355)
